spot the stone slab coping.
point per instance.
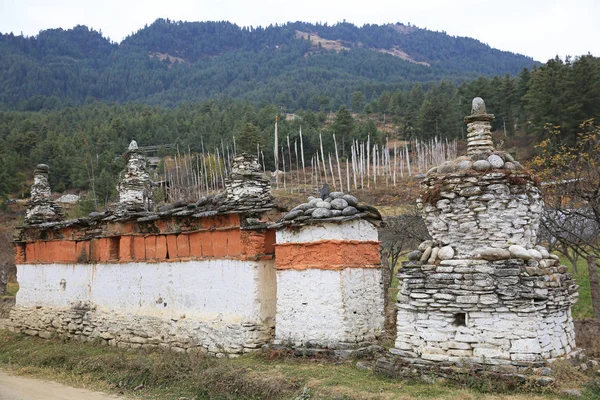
(313, 221)
(142, 216)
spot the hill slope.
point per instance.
(293, 65)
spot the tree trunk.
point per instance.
(386, 276)
(574, 266)
(594, 288)
(572, 256)
(3, 278)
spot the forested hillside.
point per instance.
(296, 65)
(84, 140)
(74, 100)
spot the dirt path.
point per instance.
(14, 387)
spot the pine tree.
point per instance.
(249, 138)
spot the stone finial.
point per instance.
(479, 129)
(478, 106)
(135, 193)
(40, 208)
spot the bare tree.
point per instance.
(398, 236)
(566, 231)
(574, 201)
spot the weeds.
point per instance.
(203, 376)
(169, 375)
(6, 304)
(592, 390)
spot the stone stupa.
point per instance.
(481, 291)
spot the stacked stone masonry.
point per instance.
(181, 282)
(190, 277)
(134, 188)
(40, 208)
(199, 276)
(247, 188)
(475, 212)
(481, 291)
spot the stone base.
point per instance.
(215, 337)
(220, 306)
(400, 367)
(503, 339)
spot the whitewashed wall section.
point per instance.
(324, 300)
(221, 306)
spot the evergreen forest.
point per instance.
(73, 99)
(296, 65)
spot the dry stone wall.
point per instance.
(83, 322)
(481, 212)
(201, 276)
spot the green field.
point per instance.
(583, 308)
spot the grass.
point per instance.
(11, 289)
(583, 308)
(168, 375)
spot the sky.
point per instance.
(541, 29)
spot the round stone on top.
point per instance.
(446, 167)
(321, 213)
(481, 165)
(496, 161)
(323, 204)
(349, 211)
(133, 145)
(293, 214)
(478, 106)
(339, 203)
(352, 201)
(462, 165)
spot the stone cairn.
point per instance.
(40, 208)
(481, 291)
(246, 187)
(135, 192)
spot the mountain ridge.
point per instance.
(169, 62)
